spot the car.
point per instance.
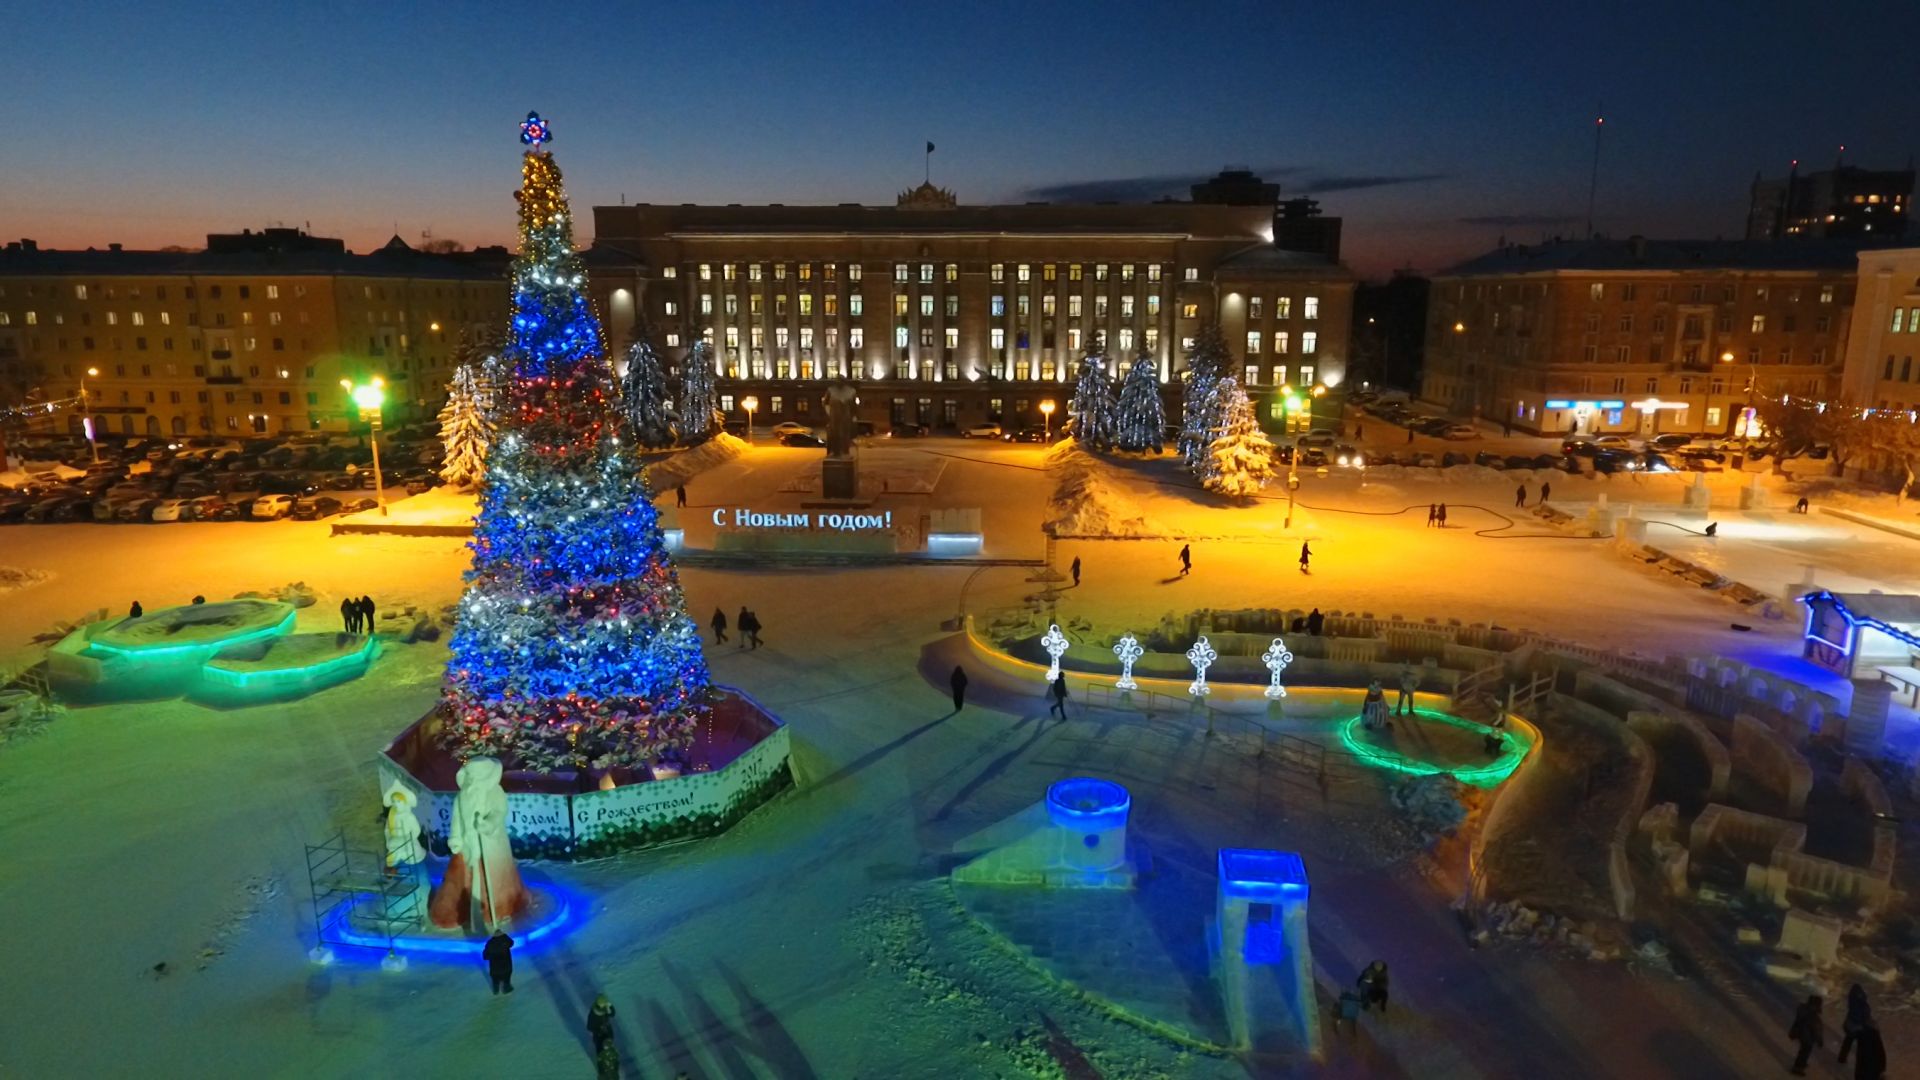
(1460, 431)
(1652, 461)
(354, 506)
(70, 509)
(1669, 441)
(981, 431)
(315, 507)
(1490, 459)
(207, 508)
(1349, 457)
(14, 511)
(268, 507)
(803, 439)
(1312, 457)
(1579, 447)
(1317, 439)
(1426, 461)
(421, 487)
(1026, 434)
(1613, 442)
(789, 427)
(169, 510)
(1611, 461)
(907, 431)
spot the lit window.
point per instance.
(856, 305)
(1153, 303)
(1253, 343)
(1283, 307)
(1049, 272)
(79, 292)
(1074, 305)
(1126, 339)
(706, 271)
(998, 337)
(953, 337)
(926, 305)
(1023, 273)
(670, 308)
(1152, 339)
(899, 271)
(1126, 272)
(1597, 291)
(673, 341)
(856, 337)
(706, 303)
(806, 271)
(1023, 304)
(1126, 306)
(1189, 311)
(926, 272)
(1251, 375)
(999, 272)
(1073, 272)
(1280, 342)
(900, 337)
(1309, 343)
(756, 272)
(1306, 375)
(1253, 307)
(1279, 374)
(669, 272)
(953, 271)
(1047, 304)
(999, 305)
(1310, 307)
(830, 304)
(1826, 294)
(1190, 274)
(806, 303)
(1759, 324)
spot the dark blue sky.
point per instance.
(1433, 130)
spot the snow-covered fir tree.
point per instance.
(1140, 418)
(643, 394)
(1092, 403)
(1199, 410)
(1239, 461)
(700, 418)
(484, 351)
(466, 430)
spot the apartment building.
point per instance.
(1885, 336)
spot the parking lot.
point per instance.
(304, 476)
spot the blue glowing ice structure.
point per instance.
(1075, 838)
(1261, 953)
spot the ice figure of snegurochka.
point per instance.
(482, 880)
(403, 828)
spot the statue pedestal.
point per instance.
(840, 478)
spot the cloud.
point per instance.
(1515, 221)
(1297, 180)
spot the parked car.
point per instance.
(1027, 435)
(1460, 431)
(1432, 425)
(169, 510)
(1320, 438)
(1613, 442)
(1490, 459)
(1312, 457)
(268, 507)
(1654, 462)
(907, 431)
(1579, 447)
(788, 427)
(1611, 461)
(981, 431)
(1669, 441)
(1349, 457)
(314, 507)
(803, 439)
(354, 506)
(1426, 461)
(207, 508)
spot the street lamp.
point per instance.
(86, 413)
(369, 396)
(1046, 418)
(749, 403)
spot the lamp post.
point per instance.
(1046, 418)
(1746, 411)
(369, 397)
(749, 403)
(86, 413)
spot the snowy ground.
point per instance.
(817, 938)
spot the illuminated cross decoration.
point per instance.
(1201, 656)
(1128, 650)
(1055, 643)
(534, 131)
(1276, 658)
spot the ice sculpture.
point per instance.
(1076, 837)
(1201, 656)
(1128, 649)
(1276, 658)
(403, 828)
(482, 887)
(1260, 946)
(1055, 643)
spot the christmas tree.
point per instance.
(700, 418)
(1239, 461)
(573, 647)
(1199, 405)
(1092, 403)
(1139, 417)
(466, 430)
(643, 395)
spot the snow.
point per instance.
(681, 467)
(818, 937)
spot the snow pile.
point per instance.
(443, 505)
(1431, 804)
(687, 464)
(297, 593)
(14, 577)
(1085, 503)
(39, 470)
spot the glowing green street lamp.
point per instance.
(369, 397)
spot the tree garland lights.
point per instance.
(573, 647)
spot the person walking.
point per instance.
(743, 621)
(1076, 571)
(136, 610)
(751, 628)
(959, 684)
(1433, 514)
(1358, 433)
(1373, 986)
(349, 614)
(1443, 515)
(499, 956)
(1713, 529)
(1306, 553)
(366, 615)
(1520, 496)
(1859, 1017)
(1871, 1062)
(719, 624)
(1059, 691)
(1807, 1031)
(1409, 436)
(680, 495)
(1409, 682)
(600, 1024)
(1315, 622)
(1186, 559)
(1801, 506)
(1546, 491)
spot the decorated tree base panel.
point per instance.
(738, 760)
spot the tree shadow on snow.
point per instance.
(671, 1045)
(771, 1038)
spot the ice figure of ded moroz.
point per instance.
(482, 887)
(403, 828)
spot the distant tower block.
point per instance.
(1260, 947)
(1074, 838)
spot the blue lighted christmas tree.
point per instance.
(573, 646)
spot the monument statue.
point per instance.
(840, 471)
(403, 828)
(482, 887)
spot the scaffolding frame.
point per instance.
(355, 897)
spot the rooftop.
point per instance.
(271, 252)
(1640, 253)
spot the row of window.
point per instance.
(1623, 354)
(1309, 342)
(1697, 294)
(947, 271)
(1279, 376)
(997, 306)
(1905, 321)
(165, 318)
(1906, 369)
(903, 337)
(216, 292)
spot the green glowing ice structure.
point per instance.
(229, 652)
(1074, 838)
(1261, 955)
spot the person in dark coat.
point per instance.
(959, 682)
(349, 615)
(1186, 559)
(136, 610)
(1315, 621)
(1076, 571)
(600, 1024)
(1801, 506)
(1871, 1062)
(1433, 514)
(1059, 691)
(606, 1063)
(1713, 529)
(1373, 986)
(1546, 490)
(199, 599)
(743, 620)
(1306, 553)
(1807, 1031)
(1859, 1016)
(366, 614)
(719, 624)
(680, 495)
(1409, 436)
(499, 955)
(1443, 515)
(751, 630)
(1520, 496)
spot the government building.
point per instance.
(250, 336)
(951, 315)
(1639, 336)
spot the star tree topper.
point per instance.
(534, 131)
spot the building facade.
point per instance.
(1845, 200)
(1638, 336)
(248, 337)
(949, 315)
(1885, 336)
